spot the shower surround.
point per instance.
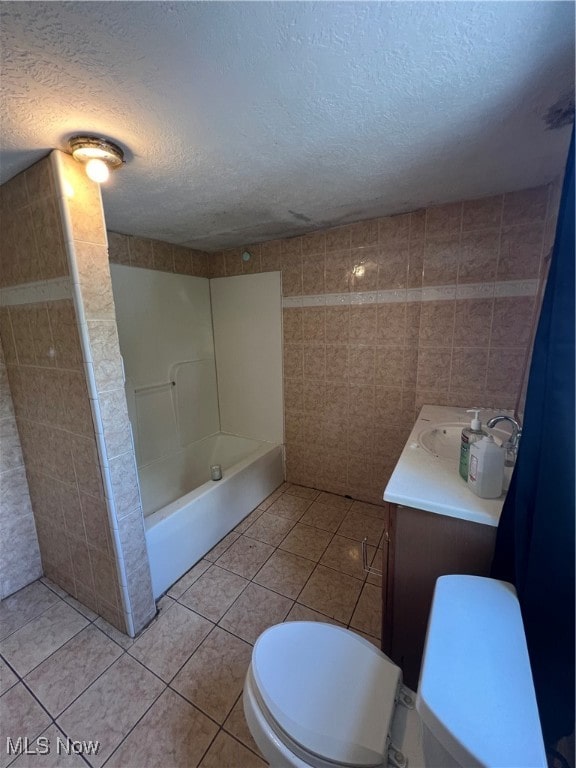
(203, 367)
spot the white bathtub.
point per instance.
(187, 513)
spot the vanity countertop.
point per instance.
(425, 481)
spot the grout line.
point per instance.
(168, 685)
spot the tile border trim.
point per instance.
(506, 288)
(34, 293)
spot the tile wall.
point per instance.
(156, 254)
(58, 329)
(19, 552)
(381, 316)
(48, 385)
(87, 249)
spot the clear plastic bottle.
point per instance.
(470, 435)
(486, 471)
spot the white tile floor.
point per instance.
(172, 697)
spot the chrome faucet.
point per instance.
(514, 439)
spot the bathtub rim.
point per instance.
(157, 517)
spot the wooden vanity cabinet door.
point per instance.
(423, 547)
(388, 582)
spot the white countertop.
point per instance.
(425, 481)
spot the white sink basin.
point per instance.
(443, 440)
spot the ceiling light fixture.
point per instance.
(98, 155)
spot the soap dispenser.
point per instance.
(486, 471)
(470, 435)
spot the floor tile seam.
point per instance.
(36, 616)
(59, 727)
(359, 542)
(328, 505)
(214, 625)
(226, 629)
(202, 711)
(344, 573)
(229, 570)
(270, 589)
(56, 649)
(372, 515)
(11, 668)
(323, 551)
(207, 749)
(51, 588)
(111, 755)
(335, 570)
(236, 600)
(62, 600)
(195, 610)
(103, 673)
(302, 605)
(237, 740)
(318, 527)
(113, 639)
(39, 702)
(304, 585)
(357, 629)
(292, 525)
(223, 726)
(290, 519)
(229, 733)
(91, 621)
(352, 538)
(299, 554)
(356, 604)
(206, 556)
(261, 566)
(167, 593)
(271, 514)
(55, 717)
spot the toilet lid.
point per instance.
(329, 690)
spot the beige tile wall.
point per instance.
(48, 384)
(73, 479)
(86, 242)
(156, 254)
(355, 376)
(19, 552)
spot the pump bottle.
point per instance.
(470, 435)
(486, 472)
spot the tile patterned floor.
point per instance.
(173, 696)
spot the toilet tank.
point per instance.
(476, 696)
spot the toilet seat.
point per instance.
(331, 698)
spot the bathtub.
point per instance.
(187, 513)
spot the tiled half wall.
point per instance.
(19, 553)
(58, 329)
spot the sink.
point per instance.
(443, 440)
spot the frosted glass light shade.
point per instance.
(97, 170)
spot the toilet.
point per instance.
(320, 695)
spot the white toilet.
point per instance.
(319, 695)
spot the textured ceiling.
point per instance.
(249, 121)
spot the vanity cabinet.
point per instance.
(422, 547)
